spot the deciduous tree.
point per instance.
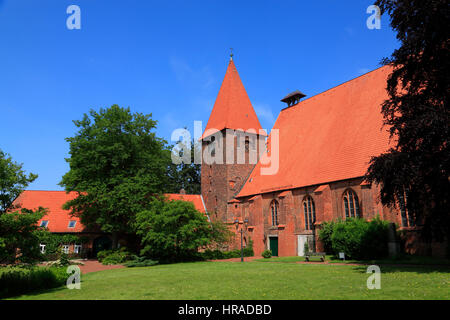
(117, 164)
(175, 230)
(417, 169)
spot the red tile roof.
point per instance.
(59, 218)
(196, 199)
(328, 137)
(53, 201)
(232, 109)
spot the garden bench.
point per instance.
(315, 254)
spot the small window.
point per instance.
(72, 223)
(351, 204)
(274, 210)
(44, 223)
(65, 249)
(42, 248)
(212, 146)
(247, 143)
(77, 248)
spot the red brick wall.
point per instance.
(221, 182)
(328, 201)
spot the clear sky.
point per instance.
(167, 58)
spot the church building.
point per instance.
(319, 149)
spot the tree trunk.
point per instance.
(115, 240)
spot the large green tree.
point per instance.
(417, 169)
(117, 164)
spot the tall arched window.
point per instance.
(309, 209)
(274, 210)
(351, 204)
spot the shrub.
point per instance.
(267, 254)
(306, 247)
(15, 281)
(117, 256)
(18, 236)
(219, 255)
(64, 259)
(360, 239)
(141, 262)
(325, 234)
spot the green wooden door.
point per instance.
(274, 246)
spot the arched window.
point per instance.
(274, 210)
(212, 146)
(309, 209)
(351, 204)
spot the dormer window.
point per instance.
(72, 223)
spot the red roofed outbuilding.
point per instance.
(58, 220)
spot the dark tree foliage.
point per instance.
(117, 164)
(185, 176)
(417, 169)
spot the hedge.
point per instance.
(117, 256)
(15, 281)
(219, 255)
(357, 238)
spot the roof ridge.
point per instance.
(335, 87)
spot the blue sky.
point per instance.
(167, 58)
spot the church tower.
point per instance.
(231, 145)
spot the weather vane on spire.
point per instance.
(231, 54)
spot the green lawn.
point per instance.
(255, 280)
(403, 260)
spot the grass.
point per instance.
(254, 280)
(402, 260)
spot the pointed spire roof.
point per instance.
(232, 109)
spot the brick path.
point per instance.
(94, 265)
